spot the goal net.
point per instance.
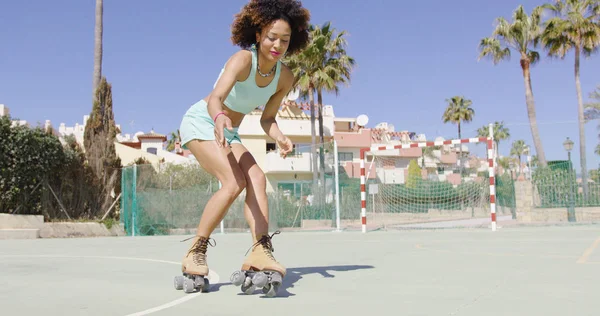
(441, 184)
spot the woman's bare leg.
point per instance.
(221, 163)
(256, 206)
(256, 211)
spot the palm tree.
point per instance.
(534, 161)
(97, 47)
(501, 133)
(574, 27)
(592, 112)
(322, 66)
(174, 137)
(304, 66)
(596, 95)
(504, 163)
(336, 67)
(518, 150)
(428, 152)
(592, 108)
(458, 110)
(520, 35)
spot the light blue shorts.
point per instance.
(197, 124)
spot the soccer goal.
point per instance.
(429, 184)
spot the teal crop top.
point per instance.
(246, 95)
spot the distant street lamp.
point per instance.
(568, 144)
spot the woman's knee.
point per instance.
(234, 185)
(257, 179)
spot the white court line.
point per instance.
(212, 276)
(167, 305)
(588, 251)
(93, 257)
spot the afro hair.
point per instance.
(258, 14)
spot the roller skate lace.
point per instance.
(265, 241)
(199, 249)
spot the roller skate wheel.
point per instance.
(189, 285)
(260, 279)
(247, 287)
(205, 285)
(266, 288)
(247, 281)
(276, 278)
(272, 291)
(237, 278)
(179, 282)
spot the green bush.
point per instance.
(414, 174)
(28, 157)
(35, 166)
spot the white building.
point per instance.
(5, 111)
(76, 131)
(150, 146)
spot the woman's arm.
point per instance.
(236, 68)
(267, 120)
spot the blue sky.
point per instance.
(162, 56)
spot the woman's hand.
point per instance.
(222, 122)
(285, 146)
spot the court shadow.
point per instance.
(217, 287)
(296, 274)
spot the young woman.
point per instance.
(266, 30)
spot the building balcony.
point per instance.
(352, 169)
(300, 163)
(358, 139)
(448, 158)
(300, 126)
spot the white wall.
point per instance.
(291, 164)
(290, 127)
(128, 155)
(4, 111)
(391, 175)
(151, 143)
(173, 158)
(77, 130)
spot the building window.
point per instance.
(151, 150)
(343, 157)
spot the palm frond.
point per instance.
(491, 48)
(575, 24)
(521, 34)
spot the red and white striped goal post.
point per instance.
(491, 169)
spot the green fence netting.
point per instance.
(170, 199)
(558, 186)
